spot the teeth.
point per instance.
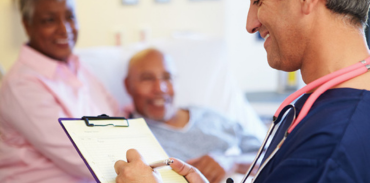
(159, 102)
(268, 35)
(62, 41)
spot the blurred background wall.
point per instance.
(110, 22)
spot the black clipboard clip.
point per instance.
(116, 123)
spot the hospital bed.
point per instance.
(203, 77)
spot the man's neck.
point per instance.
(180, 119)
(334, 46)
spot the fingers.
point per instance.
(133, 155)
(210, 168)
(135, 169)
(118, 166)
(242, 168)
(191, 174)
(180, 167)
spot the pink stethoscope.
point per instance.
(324, 83)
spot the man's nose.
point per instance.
(160, 86)
(65, 27)
(253, 24)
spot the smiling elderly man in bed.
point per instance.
(202, 137)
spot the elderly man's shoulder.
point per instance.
(208, 114)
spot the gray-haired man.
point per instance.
(330, 144)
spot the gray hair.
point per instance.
(357, 10)
(27, 9)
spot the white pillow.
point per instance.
(204, 77)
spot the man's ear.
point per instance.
(307, 6)
(127, 85)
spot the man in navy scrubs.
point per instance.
(331, 143)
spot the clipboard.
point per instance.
(102, 140)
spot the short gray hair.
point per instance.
(357, 10)
(27, 8)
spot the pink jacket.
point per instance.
(34, 94)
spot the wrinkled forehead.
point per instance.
(155, 64)
(28, 8)
(69, 4)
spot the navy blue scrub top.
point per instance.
(331, 144)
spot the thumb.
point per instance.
(191, 173)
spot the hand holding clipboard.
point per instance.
(102, 141)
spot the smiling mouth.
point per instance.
(159, 102)
(63, 41)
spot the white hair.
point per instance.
(27, 9)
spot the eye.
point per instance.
(167, 77)
(71, 17)
(147, 78)
(257, 2)
(48, 20)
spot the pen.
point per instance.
(165, 162)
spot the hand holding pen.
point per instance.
(136, 170)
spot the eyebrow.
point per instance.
(146, 73)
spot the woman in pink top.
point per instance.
(47, 82)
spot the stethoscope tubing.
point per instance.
(269, 132)
(322, 84)
(319, 82)
(340, 79)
